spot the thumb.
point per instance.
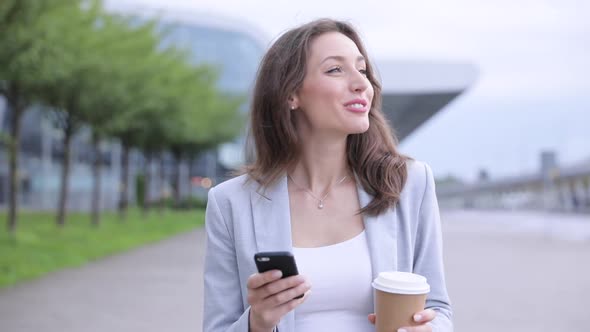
(372, 318)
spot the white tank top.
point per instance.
(341, 292)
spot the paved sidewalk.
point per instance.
(505, 272)
(518, 272)
(152, 289)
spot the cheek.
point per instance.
(371, 94)
(319, 94)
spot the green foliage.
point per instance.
(110, 71)
(29, 30)
(39, 247)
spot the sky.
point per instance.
(533, 58)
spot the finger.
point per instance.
(292, 304)
(424, 316)
(281, 285)
(286, 296)
(258, 280)
(372, 318)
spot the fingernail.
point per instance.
(277, 274)
(417, 318)
(305, 295)
(402, 330)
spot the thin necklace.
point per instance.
(320, 200)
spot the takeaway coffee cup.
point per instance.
(398, 296)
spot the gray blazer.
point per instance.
(241, 220)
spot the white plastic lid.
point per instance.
(401, 283)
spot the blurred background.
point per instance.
(116, 117)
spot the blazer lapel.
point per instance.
(381, 233)
(272, 217)
(272, 228)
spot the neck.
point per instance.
(322, 164)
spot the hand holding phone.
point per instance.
(276, 260)
(272, 296)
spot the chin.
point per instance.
(359, 128)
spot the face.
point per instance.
(336, 95)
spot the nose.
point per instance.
(359, 82)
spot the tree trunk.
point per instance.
(161, 196)
(18, 108)
(65, 174)
(177, 181)
(96, 161)
(123, 191)
(147, 180)
(189, 179)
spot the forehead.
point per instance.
(332, 44)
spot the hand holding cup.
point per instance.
(400, 298)
(422, 318)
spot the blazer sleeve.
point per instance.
(428, 257)
(223, 309)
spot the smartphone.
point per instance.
(277, 260)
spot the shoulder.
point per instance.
(228, 198)
(232, 188)
(419, 179)
(236, 183)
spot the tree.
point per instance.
(208, 119)
(71, 94)
(27, 63)
(118, 84)
(148, 119)
(101, 57)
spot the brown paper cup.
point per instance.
(398, 296)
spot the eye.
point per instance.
(363, 71)
(334, 70)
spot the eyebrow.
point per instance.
(360, 58)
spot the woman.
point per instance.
(328, 184)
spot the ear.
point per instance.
(293, 102)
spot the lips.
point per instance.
(356, 105)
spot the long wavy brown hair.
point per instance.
(371, 155)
